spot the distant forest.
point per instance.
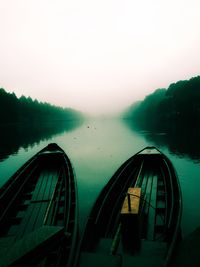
(179, 104)
(27, 110)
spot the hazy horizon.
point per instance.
(97, 56)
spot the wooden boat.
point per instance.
(38, 212)
(136, 218)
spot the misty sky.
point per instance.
(97, 56)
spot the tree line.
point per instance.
(178, 104)
(27, 110)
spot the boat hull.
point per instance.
(149, 227)
(40, 198)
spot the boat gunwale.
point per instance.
(71, 229)
(112, 182)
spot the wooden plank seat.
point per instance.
(133, 195)
(34, 246)
(129, 216)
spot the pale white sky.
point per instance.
(97, 56)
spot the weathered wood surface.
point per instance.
(134, 194)
(33, 246)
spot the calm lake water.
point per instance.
(97, 148)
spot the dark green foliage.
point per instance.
(179, 104)
(185, 100)
(25, 110)
(8, 106)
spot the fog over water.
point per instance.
(97, 56)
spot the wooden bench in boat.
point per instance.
(130, 229)
(34, 246)
(131, 202)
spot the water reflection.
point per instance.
(13, 137)
(98, 148)
(181, 141)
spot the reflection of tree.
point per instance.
(14, 137)
(180, 140)
(175, 111)
(25, 121)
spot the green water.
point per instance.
(97, 148)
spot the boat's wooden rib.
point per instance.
(135, 237)
(42, 193)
